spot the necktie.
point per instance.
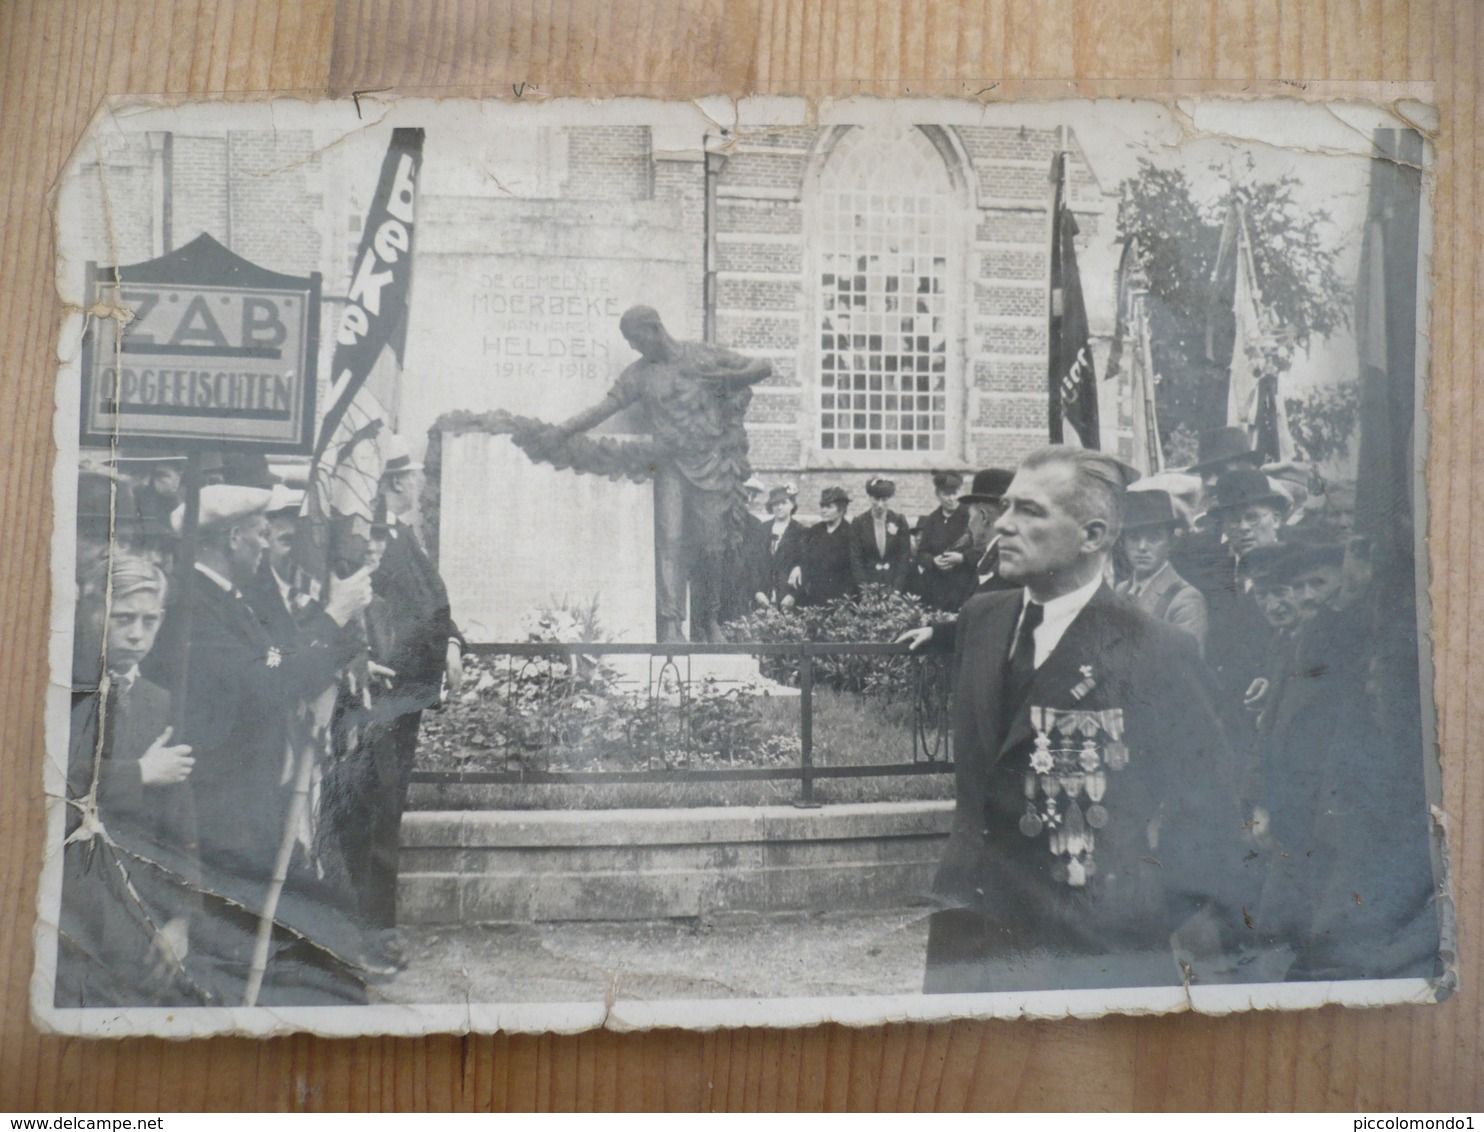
(1022, 666)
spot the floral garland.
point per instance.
(635, 460)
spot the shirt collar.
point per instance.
(123, 681)
(1138, 587)
(1067, 606)
(223, 584)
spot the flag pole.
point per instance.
(1054, 284)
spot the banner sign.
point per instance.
(376, 315)
(220, 354)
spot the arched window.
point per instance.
(886, 293)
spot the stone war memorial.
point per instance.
(543, 565)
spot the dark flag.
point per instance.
(347, 464)
(1073, 389)
(344, 478)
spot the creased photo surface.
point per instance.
(543, 565)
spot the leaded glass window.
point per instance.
(885, 208)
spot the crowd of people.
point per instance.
(1254, 567)
(941, 558)
(205, 855)
(1211, 629)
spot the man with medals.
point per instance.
(1096, 838)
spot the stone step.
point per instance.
(655, 864)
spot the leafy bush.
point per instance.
(577, 713)
(877, 614)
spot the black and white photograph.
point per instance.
(548, 564)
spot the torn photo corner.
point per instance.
(634, 563)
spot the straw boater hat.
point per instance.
(396, 456)
(285, 500)
(989, 486)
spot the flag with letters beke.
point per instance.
(375, 316)
(342, 491)
(1071, 355)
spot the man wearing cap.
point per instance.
(827, 573)
(880, 547)
(1149, 531)
(780, 554)
(1094, 817)
(695, 396)
(942, 575)
(241, 691)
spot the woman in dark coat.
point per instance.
(943, 573)
(880, 545)
(827, 572)
(778, 554)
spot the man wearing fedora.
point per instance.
(827, 573)
(1150, 524)
(982, 501)
(880, 545)
(1201, 558)
(1248, 513)
(1094, 817)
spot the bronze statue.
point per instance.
(695, 397)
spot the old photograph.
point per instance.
(543, 564)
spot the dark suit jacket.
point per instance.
(1171, 843)
(827, 573)
(267, 603)
(1316, 689)
(420, 620)
(241, 693)
(867, 563)
(151, 839)
(943, 589)
(775, 565)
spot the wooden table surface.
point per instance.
(62, 57)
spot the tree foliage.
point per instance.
(1179, 234)
(1324, 421)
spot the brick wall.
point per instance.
(277, 201)
(609, 163)
(121, 214)
(763, 254)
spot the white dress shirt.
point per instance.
(1058, 615)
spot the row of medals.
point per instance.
(1055, 783)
